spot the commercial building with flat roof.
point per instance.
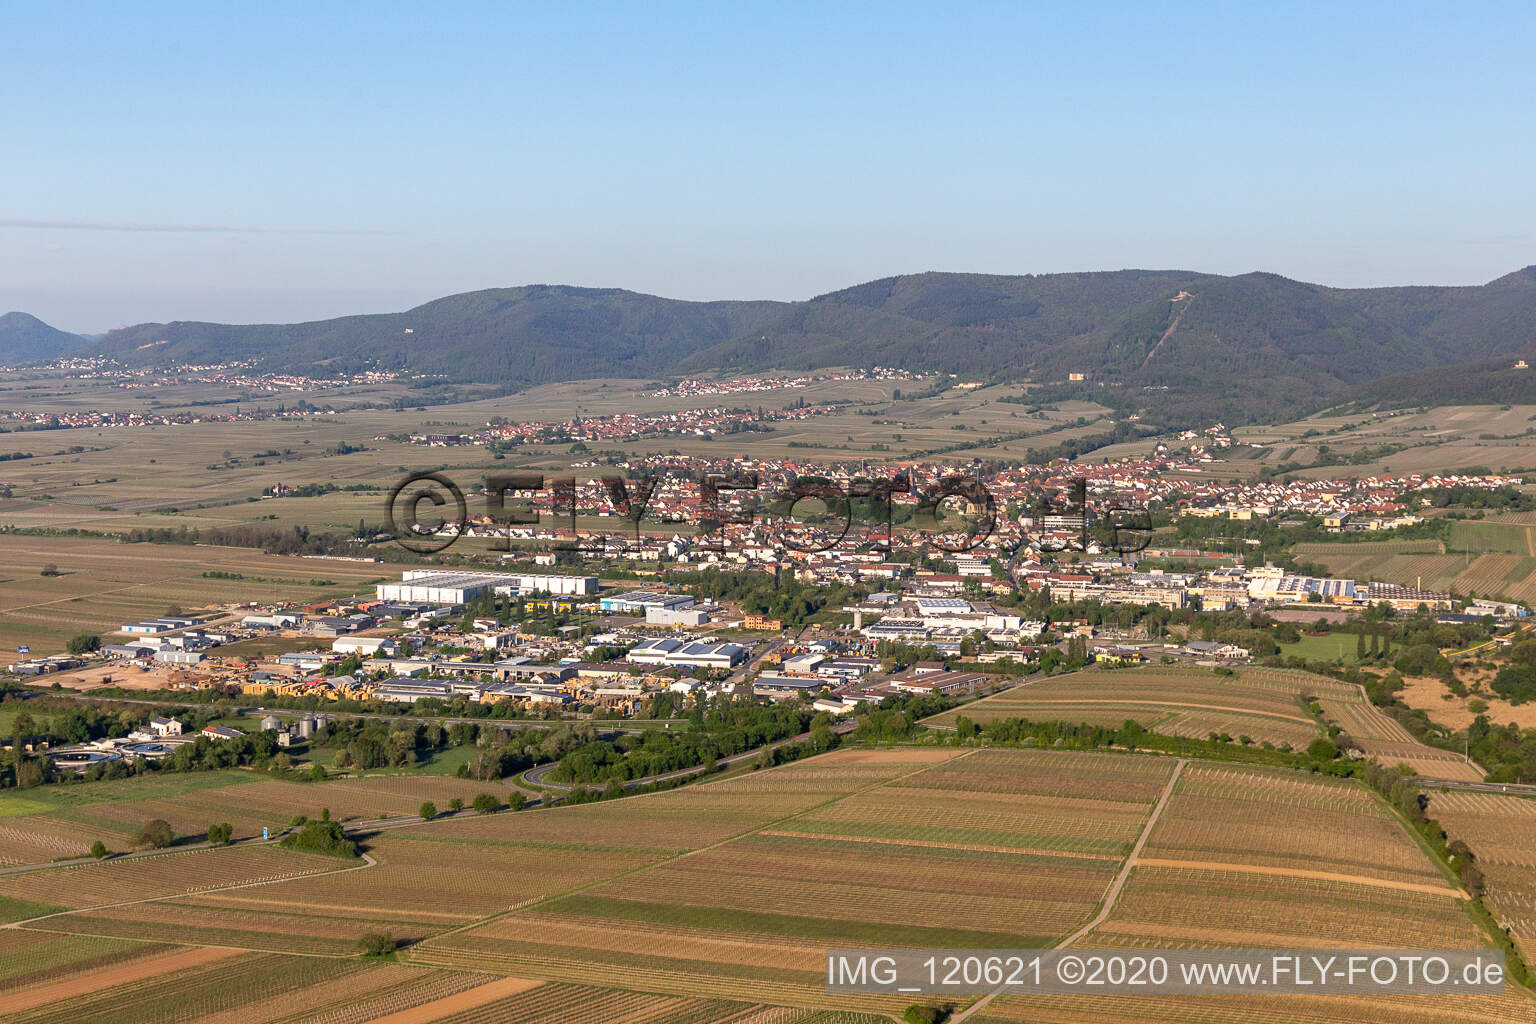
(439, 586)
(638, 602)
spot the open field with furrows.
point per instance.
(1495, 534)
(103, 584)
(989, 848)
(152, 878)
(1366, 550)
(29, 959)
(1501, 830)
(1487, 559)
(1382, 738)
(463, 869)
(1085, 1008)
(1261, 704)
(1245, 857)
(1435, 440)
(60, 978)
(705, 903)
(1272, 818)
(62, 821)
(235, 987)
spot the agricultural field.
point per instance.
(1440, 439)
(1430, 694)
(1245, 857)
(1232, 817)
(941, 851)
(62, 821)
(1338, 647)
(1262, 704)
(714, 904)
(103, 583)
(1501, 830)
(1513, 538)
(210, 474)
(1488, 557)
(1382, 738)
(78, 886)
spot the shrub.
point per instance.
(377, 944)
(917, 1014)
(323, 837)
(156, 834)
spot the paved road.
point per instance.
(1512, 788)
(746, 668)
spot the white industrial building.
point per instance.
(368, 646)
(653, 652)
(655, 615)
(151, 627)
(639, 602)
(439, 586)
(686, 654)
(702, 655)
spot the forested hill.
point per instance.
(513, 336)
(26, 339)
(1253, 345)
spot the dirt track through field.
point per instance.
(1326, 876)
(458, 1003)
(95, 981)
(1111, 895)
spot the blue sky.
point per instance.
(287, 161)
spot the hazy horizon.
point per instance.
(294, 162)
(248, 307)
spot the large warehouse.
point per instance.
(444, 586)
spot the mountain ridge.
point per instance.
(26, 339)
(1242, 346)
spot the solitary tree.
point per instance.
(83, 643)
(428, 810)
(377, 944)
(98, 849)
(517, 801)
(487, 803)
(156, 834)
